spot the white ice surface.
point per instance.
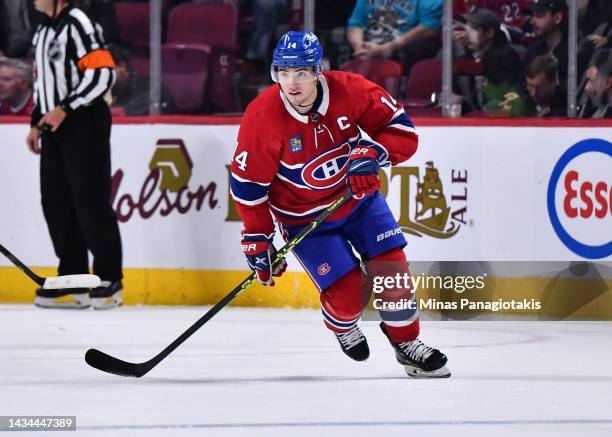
(264, 372)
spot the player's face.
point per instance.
(298, 84)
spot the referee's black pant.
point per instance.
(75, 178)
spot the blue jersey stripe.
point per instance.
(339, 324)
(402, 119)
(398, 316)
(248, 191)
(292, 174)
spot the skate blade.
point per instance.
(69, 301)
(415, 372)
(106, 303)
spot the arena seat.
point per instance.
(215, 25)
(133, 19)
(185, 71)
(424, 80)
(384, 72)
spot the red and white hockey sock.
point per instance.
(341, 302)
(402, 324)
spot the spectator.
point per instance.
(15, 27)
(596, 26)
(599, 86)
(266, 16)
(549, 23)
(547, 97)
(408, 29)
(597, 12)
(487, 76)
(511, 14)
(15, 87)
(131, 91)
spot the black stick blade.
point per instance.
(108, 364)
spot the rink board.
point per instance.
(181, 236)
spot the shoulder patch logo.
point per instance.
(295, 143)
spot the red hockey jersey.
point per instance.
(295, 165)
(509, 12)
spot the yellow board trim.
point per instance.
(180, 287)
(567, 298)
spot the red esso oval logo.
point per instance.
(584, 198)
(593, 198)
(327, 169)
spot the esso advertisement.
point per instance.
(580, 198)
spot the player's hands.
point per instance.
(53, 118)
(364, 164)
(33, 140)
(260, 254)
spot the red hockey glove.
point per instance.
(365, 162)
(260, 254)
(362, 175)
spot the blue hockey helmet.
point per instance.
(298, 49)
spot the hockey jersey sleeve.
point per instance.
(385, 121)
(255, 164)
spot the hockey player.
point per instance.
(301, 143)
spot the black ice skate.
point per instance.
(418, 359)
(107, 295)
(72, 298)
(354, 344)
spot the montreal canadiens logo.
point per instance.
(579, 198)
(323, 269)
(327, 169)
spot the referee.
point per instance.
(71, 125)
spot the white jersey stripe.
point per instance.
(249, 202)
(404, 128)
(240, 179)
(282, 178)
(300, 214)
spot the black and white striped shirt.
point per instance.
(73, 67)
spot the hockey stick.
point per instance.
(53, 282)
(106, 363)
